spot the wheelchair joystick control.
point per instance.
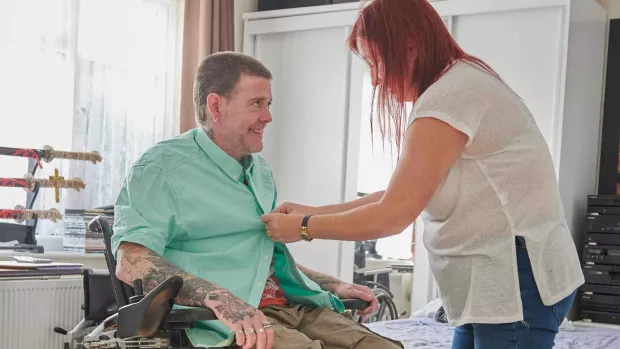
(138, 291)
(137, 287)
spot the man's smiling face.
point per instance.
(241, 119)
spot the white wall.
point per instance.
(612, 7)
(244, 6)
(241, 7)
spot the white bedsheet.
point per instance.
(422, 333)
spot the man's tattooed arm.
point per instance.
(326, 282)
(138, 262)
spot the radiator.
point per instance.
(30, 309)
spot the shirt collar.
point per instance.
(228, 164)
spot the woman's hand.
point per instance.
(284, 228)
(292, 208)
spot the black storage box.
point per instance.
(603, 200)
(601, 302)
(603, 239)
(603, 224)
(602, 275)
(601, 289)
(601, 317)
(602, 254)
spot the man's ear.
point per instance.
(214, 105)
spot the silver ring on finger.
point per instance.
(239, 332)
(249, 331)
(260, 330)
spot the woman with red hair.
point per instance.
(474, 164)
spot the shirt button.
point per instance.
(259, 283)
(266, 258)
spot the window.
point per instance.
(85, 75)
(376, 164)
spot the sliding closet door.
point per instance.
(304, 141)
(306, 144)
(528, 56)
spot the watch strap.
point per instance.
(304, 228)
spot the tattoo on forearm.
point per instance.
(138, 262)
(325, 281)
(230, 307)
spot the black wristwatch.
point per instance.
(304, 229)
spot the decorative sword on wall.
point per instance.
(29, 183)
(20, 214)
(48, 154)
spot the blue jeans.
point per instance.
(537, 331)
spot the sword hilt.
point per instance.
(20, 214)
(51, 154)
(75, 183)
(28, 183)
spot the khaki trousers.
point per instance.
(299, 327)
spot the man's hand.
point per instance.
(353, 291)
(343, 290)
(250, 325)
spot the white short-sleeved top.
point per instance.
(502, 185)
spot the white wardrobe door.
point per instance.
(525, 48)
(306, 142)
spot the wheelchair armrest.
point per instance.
(188, 315)
(146, 314)
(112, 320)
(354, 304)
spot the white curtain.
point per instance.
(85, 75)
(123, 103)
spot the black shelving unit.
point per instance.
(609, 168)
(599, 298)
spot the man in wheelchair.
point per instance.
(190, 208)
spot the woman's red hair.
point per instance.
(392, 28)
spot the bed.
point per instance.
(423, 332)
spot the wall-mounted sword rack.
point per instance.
(25, 233)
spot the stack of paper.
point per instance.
(13, 268)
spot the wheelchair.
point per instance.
(387, 308)
(120, 316)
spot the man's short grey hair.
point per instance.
(219, 73)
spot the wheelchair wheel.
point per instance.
(376, 285)
(387, 308)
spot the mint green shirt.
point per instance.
(185, 199)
